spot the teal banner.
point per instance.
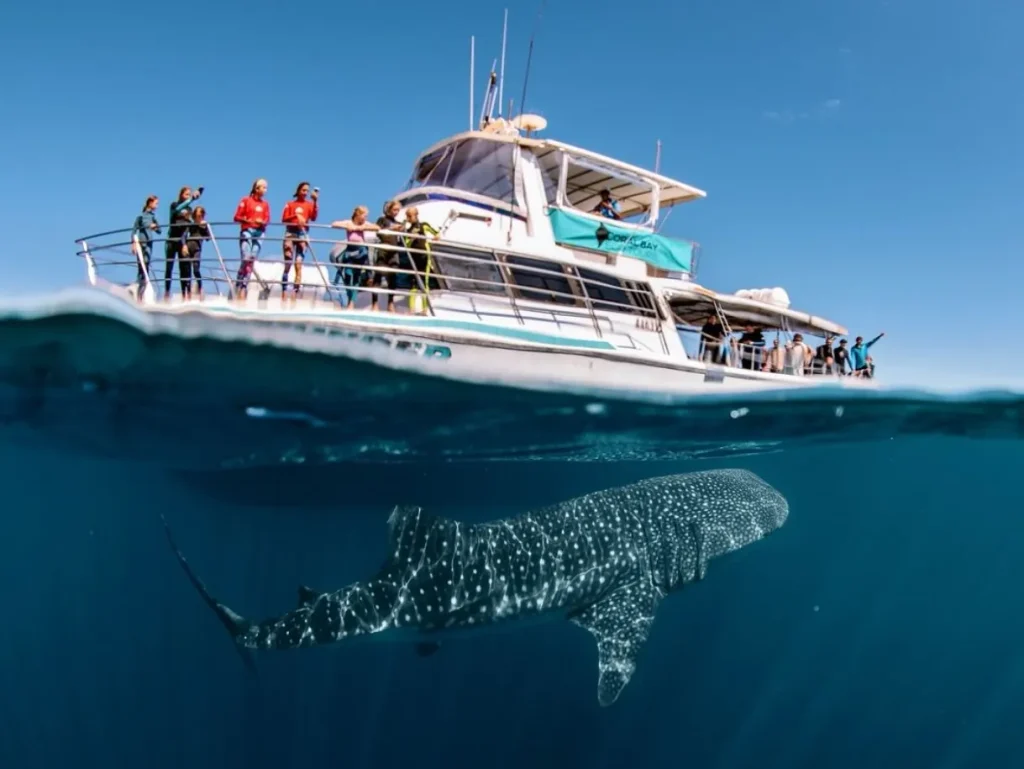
(585, 232)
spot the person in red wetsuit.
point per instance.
(253, 216)
(298, 212)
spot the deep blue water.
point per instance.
(882, 625)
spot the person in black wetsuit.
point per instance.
(180, 217)
(841, 355)
(751, 346)
(192, 251)
(824, 358)
(388, 221)
(711, 335)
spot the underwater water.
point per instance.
(882, 624)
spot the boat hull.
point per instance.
(502, 355)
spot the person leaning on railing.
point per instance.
(142, 241)
(181, 215)
(348, 256)
(711, 335)
(751, 344)
(253, 216)
(298, 212)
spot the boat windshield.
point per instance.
(477, 166)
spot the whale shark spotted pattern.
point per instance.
(604, 561)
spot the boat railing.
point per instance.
(731, 353)
(530, 283)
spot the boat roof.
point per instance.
(692, 304)
(587, 183)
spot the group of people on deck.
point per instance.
(188, 230)
(750, 351)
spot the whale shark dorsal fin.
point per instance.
(306, 595)
(408, 529)
(620, 623)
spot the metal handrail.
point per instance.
(459, 282)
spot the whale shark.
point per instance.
(603, 561)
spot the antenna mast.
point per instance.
(501, 77)
(472, 59)
(657, 157)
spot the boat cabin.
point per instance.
(498, 189)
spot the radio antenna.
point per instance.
(529, 56)
(501, 77)
(472, 61)
(657, 157)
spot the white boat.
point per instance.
(523, 275)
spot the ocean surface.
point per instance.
(882, 625)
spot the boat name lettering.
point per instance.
(418, 348)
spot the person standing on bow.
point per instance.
(253, 216)
(192, 251)
(142, 241)
(353, 251)
(418, 237)
(181, 215)
(298, 212)
(387, 223)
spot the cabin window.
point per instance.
(551, 285)
(431, 167)
(468, 270)
(550, 164)
(609, 294)
(479, 166)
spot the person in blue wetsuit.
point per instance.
(862, 365)
(142, 232)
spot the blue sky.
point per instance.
(866, 155)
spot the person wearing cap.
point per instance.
(841, 354)
(607, 207)
(862, 363)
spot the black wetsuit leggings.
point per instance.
(189, 268)
(172, 248)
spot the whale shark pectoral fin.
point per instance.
(620, 623)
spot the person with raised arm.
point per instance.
(863, 366)
(298, 212)
(142, 241)
(181, 215)
(352, 252)
(252, 216)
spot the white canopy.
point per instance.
(693, 304)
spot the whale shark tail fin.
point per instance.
(235, 624)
